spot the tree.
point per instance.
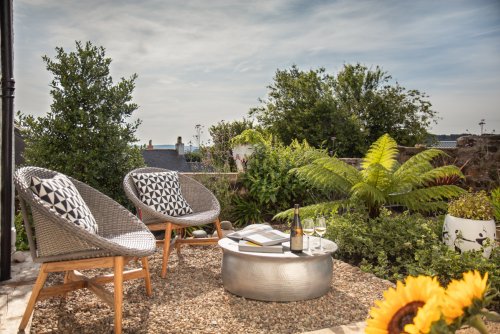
(354, 108)
(301, 105)
(86, 134)
(382, 181)
(382, 107)
(222, 133)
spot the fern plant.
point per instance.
(382, 181)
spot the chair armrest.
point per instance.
(111, 217)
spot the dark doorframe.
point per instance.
(6, 195)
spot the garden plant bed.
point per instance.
(192, 300)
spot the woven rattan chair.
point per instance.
(61, 246)
(205, 207)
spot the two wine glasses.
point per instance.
(317, 225)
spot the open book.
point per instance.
(260, 234)
(248, 246)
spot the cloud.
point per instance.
(203, 61)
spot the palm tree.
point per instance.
(382, 181)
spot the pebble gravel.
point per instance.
(192, 299)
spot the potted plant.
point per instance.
(243, 147)
(469, 224)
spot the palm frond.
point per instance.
(435, 206)
(342, 168)
(421, 198)
(442, 172)
(377, 176)
(419, 163)
(324, 208)
(330, 174)
(369, 193)
(383, 152)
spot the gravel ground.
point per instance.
(192, 300)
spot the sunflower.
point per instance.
(403, 305)
(426, 316)
(461, 294)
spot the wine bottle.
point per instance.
(296, 233)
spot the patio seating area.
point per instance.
(193, 300)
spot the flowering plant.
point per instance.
(422, 305)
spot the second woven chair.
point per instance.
(205, 210)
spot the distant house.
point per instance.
(172, 159)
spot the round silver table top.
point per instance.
(279, 277)
(329, 247)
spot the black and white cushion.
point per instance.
(162, 192)
(60, 194)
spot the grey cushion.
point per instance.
(59, 193)
(162, 192)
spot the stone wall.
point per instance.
(478, 156)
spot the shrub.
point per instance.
(221, 134)
(270, 187)
(21, 237)
(222, 187)
(495, 201)
(472, 205)
(249, 136)
(394, 246)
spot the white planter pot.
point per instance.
(467, 234)
(241, 153)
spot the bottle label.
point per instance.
(296, 242)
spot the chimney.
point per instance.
(150, 145)
(179, 147)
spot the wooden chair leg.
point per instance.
(66, 280)
(166, 249)
(118, 300)
(219, 229)
(40, 281)
(147, 278)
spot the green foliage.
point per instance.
(301, 105)
(222, 133)
(355, 107)
(495, 201)
(270, 187)
(87, 133)
(472, 205)
(249, 136)
(194, 156)
(21, 237)
(382, 181)
(395, 246)
(247, 211)
(224, 189)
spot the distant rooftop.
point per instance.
(163, 158)
(187, 148)
(166, 156)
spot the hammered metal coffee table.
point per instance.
(280, 277)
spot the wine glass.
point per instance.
(308, 228)
(320, 229)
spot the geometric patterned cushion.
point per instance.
(162, 192)
(60, 194)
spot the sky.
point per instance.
(200, 62)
